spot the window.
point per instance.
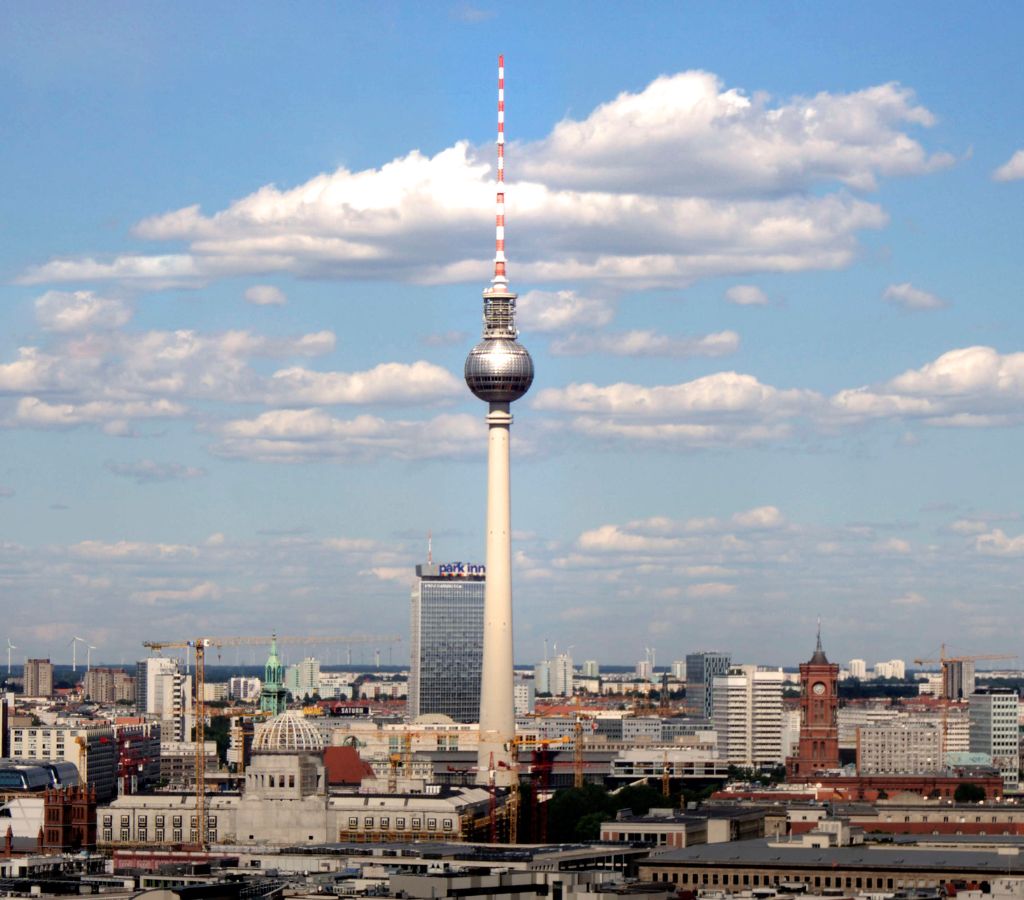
(159, 821)
(194, 821)
(385, 822)
(400, 822)
(431, 824)
(125, 835)
(108, 821)
(159, 835)
(142, 834)
(176, 837)
(368, 822)
(108, 834)
(142, 821)
(417, 824)
(353, 822)
(176, 821)
(125, 821)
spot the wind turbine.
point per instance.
(88, 656)
(10, 647)
(74, 651)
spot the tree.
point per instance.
(969, 793)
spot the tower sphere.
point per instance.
(499, 370)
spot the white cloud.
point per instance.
(148, 471)
(684, 180)
(646, 343)
(204, 590)
(746, 295)
(969, 526)
(36, 413)
(418, 382)
(132, 551)
(710, 590)
(910, 598)
(548, 311)
(997, 543)
(967, 387)
(65, 311)
(299, 435)
(265, 295)
(1012, 169)
(759, 517)
(906, 296)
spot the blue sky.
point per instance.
(768, 258)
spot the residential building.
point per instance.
(447, 632)
(148, 700)
(858, 668)
(523, 696)
(246, 689)
(38, 678)
(562, 676)
(302, 679)
(994, 714)
(958, 679)
(747, 715)
(701, 669)
(105, 685)
(591, 668)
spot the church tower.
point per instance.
(273, 696)
(818, 748)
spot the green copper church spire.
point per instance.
(273, 696)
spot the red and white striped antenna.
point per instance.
(500, 280)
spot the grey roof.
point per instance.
(763, 854)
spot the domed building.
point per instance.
(289, 732)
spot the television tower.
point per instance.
(498, 370)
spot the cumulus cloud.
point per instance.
(967, 387)
(65, 311)
(1012, 169)
(265, 295)
(299, 435)
(906, 296)
(646, 343)
(148, 471)
(997, 543)
(683, 180)
(550, 311)
(132, 551)
(746, 295)
(387, 383)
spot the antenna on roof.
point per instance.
(430, 548)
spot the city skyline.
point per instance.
(770, 295)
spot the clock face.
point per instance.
(818, 688)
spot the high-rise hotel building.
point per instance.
(447, 636)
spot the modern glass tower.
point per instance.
(447, 643)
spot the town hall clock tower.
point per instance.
(818, 749)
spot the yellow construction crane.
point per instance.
(199, 647)
(947, 685)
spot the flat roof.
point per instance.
(885, 856)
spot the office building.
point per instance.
(748, 715)
(701, 669)
(447, 632)
(91, 749)
(244, 688)
(523, 696)
(38, 681)
(900, 748)
(995, 730)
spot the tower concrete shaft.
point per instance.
(497, 713)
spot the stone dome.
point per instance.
(287, 733)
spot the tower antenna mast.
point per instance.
(498, 371)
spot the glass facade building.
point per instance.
(447, 637)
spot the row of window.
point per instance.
(828, 881)
(400, 823)
(143, 821)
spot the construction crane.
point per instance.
(945, 663)
(199, 647)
